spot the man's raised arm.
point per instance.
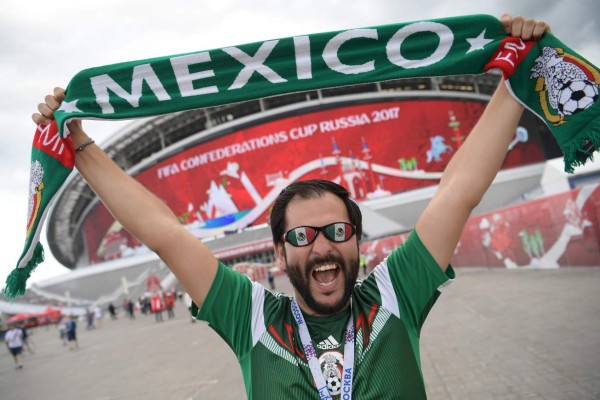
(475, 165)
(138, 210)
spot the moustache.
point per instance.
(329, 259)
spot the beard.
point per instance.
(301, 282)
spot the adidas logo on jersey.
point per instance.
(328, 344)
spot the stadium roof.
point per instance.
(146, 141)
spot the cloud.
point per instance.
(43, 44)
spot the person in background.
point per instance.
(25, 338)
(71, 328)
(363, 263)
(157, 306)
(129, 307)
(169, 300)
(271, 279)
(63, 330)
(89, 316)
(14, 342)
(112, 310)
(98, 314)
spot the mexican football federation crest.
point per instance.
(36, 185)
(566, 84)
(332, 365)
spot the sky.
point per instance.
(44, 44)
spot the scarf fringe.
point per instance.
(16, 282)
(581, 150)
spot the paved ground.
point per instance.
(494, 334)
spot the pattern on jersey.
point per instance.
(278, 349)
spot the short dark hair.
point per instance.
(311, 189)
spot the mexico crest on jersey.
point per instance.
(566, 84)
(36, 185)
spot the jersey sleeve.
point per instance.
(228, 308)
(416, 279)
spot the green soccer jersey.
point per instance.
(388, 309)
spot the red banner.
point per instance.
(374, 150)
(551, 232)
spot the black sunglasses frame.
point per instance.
(284, 237)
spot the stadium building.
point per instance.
(219, 169)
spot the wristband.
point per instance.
(84, 145)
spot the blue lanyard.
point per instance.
(313, 362)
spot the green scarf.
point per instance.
(554, 82)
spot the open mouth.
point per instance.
(326, 275)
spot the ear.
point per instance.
(280, 252)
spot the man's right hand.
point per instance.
(46, 111)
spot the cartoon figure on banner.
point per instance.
(219, 202)
(574, 216)
(455, 125)
(117, 243)
(220, 210)
(497, 236)
(191, 216)
(521, 136)
(575, 224)
(409, 164)
(240, 187)
(566, 83)
(533, 244)
(377, 250)
(438, 147)
(355, 179)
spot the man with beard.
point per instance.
(336, 336)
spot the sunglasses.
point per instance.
(304, 235)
